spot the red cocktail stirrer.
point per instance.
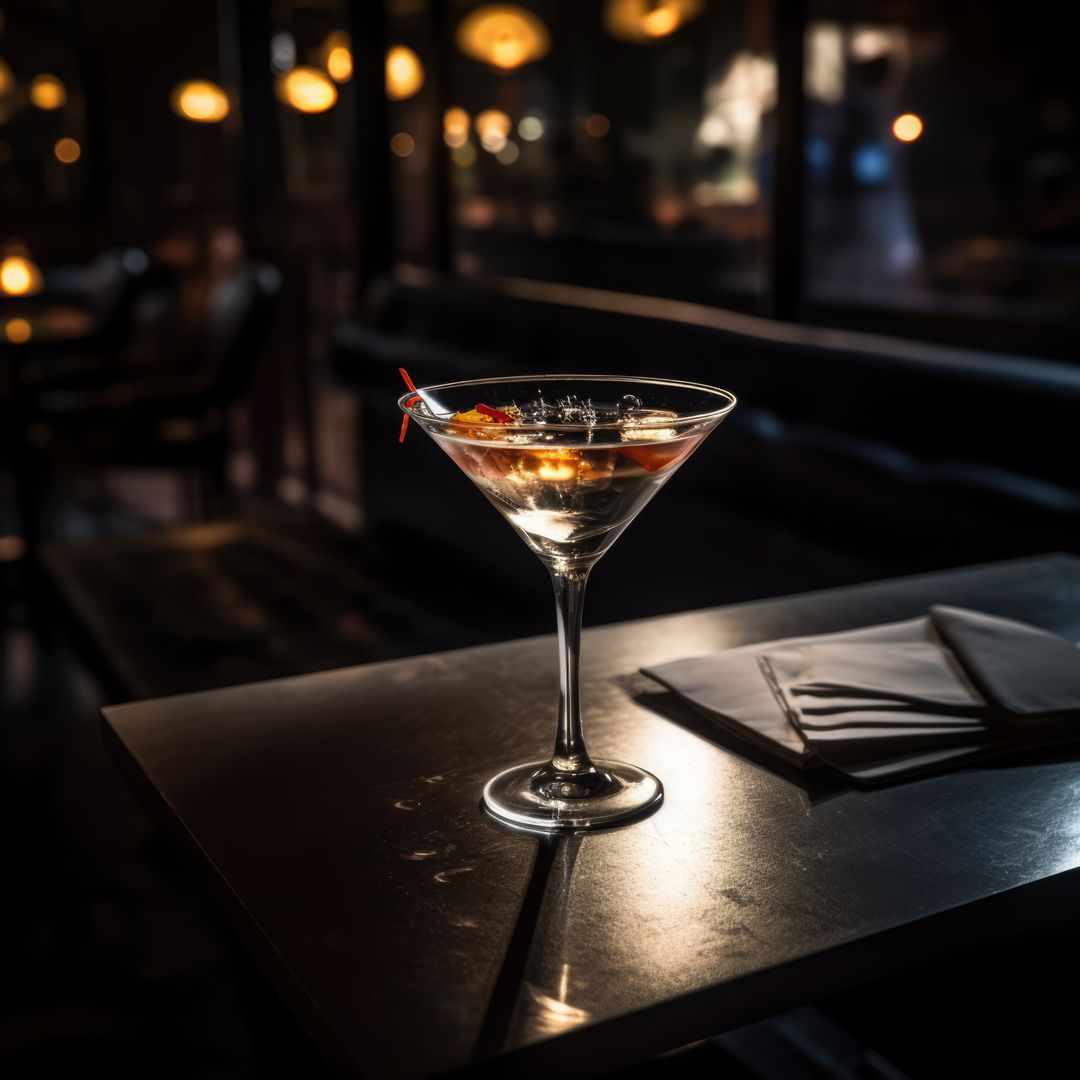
(412, 401)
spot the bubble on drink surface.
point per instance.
(628, 413)
(575, 410)
(533, 412)
(565, 410)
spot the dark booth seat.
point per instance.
(849, 455)
(848, 458)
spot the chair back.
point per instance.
(112, 283)
(239, 316)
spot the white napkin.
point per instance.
(730, 689)
(896, 700)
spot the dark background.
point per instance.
(201, 480)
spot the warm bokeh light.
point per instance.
(648, 20)
(339, 64)
(661, 21)
(67, 150)
(19, 276)
(18, 331)
(530, 128)
(200, 100)
(869, 43)
(507, 154)
(404, 73)
(907, 128)
(7, 79)
(47, 92)
(336, 56)
(493, 127)
(667, 211)
(12, 548)
(307, 90)
(455, 127)
(477, 212)
(598, 125)
(826, 67)
(503, 35)
(491, 123)
(403, 144)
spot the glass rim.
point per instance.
(657, 422)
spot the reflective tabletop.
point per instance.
(414, 936)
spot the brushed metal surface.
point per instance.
(414, 935)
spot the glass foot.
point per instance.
(534, 797)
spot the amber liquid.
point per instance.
(569, 503)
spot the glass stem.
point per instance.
(570, 754)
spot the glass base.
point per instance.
(618, 792)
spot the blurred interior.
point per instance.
(224, 227)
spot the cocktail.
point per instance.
(569, 461)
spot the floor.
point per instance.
(112, 964)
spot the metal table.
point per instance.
(338, 813)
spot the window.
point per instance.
(943, 176)
(635, 145)
(618, 145)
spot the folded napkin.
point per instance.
(885, 702)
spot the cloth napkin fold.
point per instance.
(1021, 670)
(885, 702)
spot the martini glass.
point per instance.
(569, 461)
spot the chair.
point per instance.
(174, 420)
(109, 288)
(112, 283)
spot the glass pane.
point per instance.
(170, 116)
(617, 145)
(943, 173)
(311, 61)
(44, 146)
(413, 109)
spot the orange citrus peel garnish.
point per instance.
(471, 421)
(654, 458)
